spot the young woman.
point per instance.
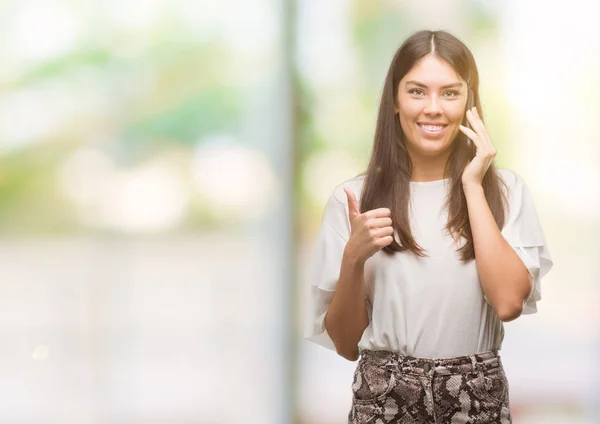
(421, 259)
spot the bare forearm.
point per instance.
(504, 278)
(347, 317)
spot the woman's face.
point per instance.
(432, 101)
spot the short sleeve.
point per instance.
(325, 264)
(522, 230)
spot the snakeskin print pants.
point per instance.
(392, 388)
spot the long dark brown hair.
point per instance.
(387, 178)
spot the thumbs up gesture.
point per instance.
(370, 231)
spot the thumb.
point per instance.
(352, 204)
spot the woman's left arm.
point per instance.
(504, 278)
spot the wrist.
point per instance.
(472, 188)
(352, 261)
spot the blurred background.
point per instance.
(163, 171)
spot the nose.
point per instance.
(433, 107)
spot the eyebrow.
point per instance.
(420, 84)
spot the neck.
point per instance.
(427, 169)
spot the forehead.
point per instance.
(432, 71)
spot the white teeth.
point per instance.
(432, 127)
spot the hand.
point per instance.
(370, 231)
(476, 169)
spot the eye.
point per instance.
(416, 91)
(451, 93)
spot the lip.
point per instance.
(432, 123)
(432, 134)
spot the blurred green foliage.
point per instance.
(163, 91)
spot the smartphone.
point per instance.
(470, 105)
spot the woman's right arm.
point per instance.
(347, 318)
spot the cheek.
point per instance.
(408, 115)
(456, 113)
(407, 124)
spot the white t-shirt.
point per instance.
(431, 307)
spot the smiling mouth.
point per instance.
(432, 131)
(432, 128)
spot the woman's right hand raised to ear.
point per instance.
(370, 231)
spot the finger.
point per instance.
(478, 126)
(384, 241)
(384, 232)
(487, 138)
(379, 233)
(378, 213)
(476, 123)
(473, 121)
(480, 147)
(353, 209)
(475, 113)
(473, 136)
(485, 146)
(380, 222)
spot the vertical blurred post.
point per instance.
(280, 146)
(291, 290)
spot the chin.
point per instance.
(433, 147)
